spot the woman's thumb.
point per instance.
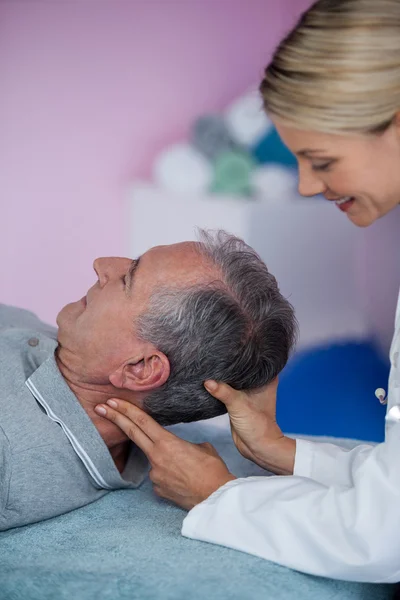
(221, 391)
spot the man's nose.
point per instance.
(108, 268)
(309, 184)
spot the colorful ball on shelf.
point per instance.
(210, 136)
(246, 119)
(270, 149)
(274, 183)
(182, 169)
(232, 171)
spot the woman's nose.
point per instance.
(309, 184)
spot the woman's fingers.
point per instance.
(181, 472)
(234, 398)
(223, 392)
(138, 426)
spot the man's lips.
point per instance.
(89, 295)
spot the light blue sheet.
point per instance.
(127, 546)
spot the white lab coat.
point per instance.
(338, 516)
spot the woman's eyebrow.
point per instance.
(131, 272)
(308, 151)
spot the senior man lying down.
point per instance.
(150, 331)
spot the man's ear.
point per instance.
(142, 374)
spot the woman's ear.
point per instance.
(142, 374)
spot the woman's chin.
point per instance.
(362, 217)
(361, 221)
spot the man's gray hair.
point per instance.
(238, 329)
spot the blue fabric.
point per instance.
(330, 391)
(127, 546)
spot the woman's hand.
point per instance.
(254, 428)
(181, 472)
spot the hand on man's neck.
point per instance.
(89, 394)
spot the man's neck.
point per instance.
(91, 394)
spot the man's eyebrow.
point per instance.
(131, 272)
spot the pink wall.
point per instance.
(90, 91)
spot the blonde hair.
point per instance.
(338, 70)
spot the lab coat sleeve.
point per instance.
(347, 530)
(327, 463)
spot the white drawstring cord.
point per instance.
(380, 393)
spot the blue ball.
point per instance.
(330, 390)
(270, 149)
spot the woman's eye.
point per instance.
(322, 167)
(124, 280)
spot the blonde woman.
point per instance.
(333, 92)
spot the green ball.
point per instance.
(232, 171)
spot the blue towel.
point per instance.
(127, 546)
